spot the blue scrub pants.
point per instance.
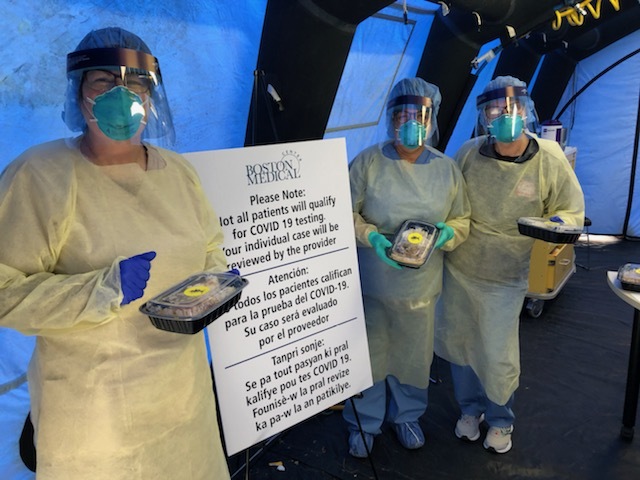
(387, 400)
(473, 400)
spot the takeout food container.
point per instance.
(629, 276)
(195, 302)
(545, 229)
(413, 243)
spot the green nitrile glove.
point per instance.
(446, 234)
(380, 245)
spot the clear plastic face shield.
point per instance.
(121, 91)
(505, 113)
(411, 121)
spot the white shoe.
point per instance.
(468, 427)
(498, 439)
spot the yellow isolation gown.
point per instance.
(112, 397)
(400, 304)
(486, 277)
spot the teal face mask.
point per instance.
(506, 128)
(412, 134)
(118, 113)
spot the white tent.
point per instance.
(603, 125)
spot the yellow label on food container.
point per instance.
(196, 290)
(414, 237)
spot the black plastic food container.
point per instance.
(548, 231)
(629, 276)
(195, 302)
(413, 243)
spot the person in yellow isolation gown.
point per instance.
(91, 227)
(510, 173)
(403, 178)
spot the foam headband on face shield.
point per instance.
(503, 92)
(103, 57)
(409, 100)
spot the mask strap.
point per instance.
(92, 103)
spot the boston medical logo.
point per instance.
(287, 168)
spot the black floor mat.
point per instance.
(568, 406)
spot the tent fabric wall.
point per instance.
(603, 124)
(303, 50)
(207, 52)
(556, 69)
(387, 50)
(465, 125)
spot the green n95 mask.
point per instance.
(506, 128)
(118, 112)
(412, 134)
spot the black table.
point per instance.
(633, 373)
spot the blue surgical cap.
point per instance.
(111, 37)
(502, 82)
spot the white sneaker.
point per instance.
(498, 439)
(468, 427)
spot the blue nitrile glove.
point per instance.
(235, 271)
(380, 244)
(134, 273)
(446, 234)
(556, 219)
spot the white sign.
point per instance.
(296, 342)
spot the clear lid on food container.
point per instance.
(629, 276)
(413, 243)
(195, 296)
(548, 225)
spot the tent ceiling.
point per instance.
(555, 24)
(305, 44)
(520, 25)
(593, 35)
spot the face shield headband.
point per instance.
(501, 93)
(410, 100)
(97, 58)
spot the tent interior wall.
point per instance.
(332, 63)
